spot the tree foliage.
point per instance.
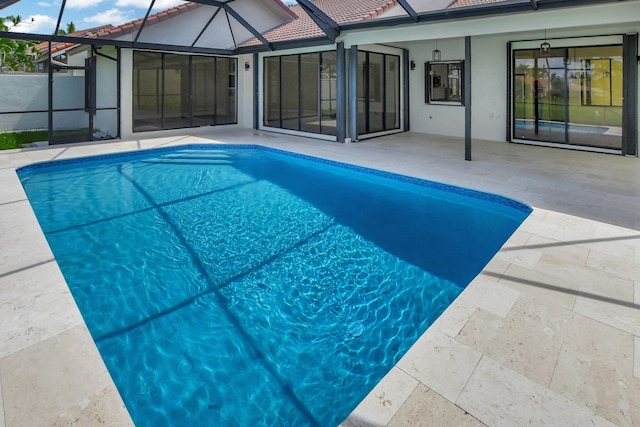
(71, 28)
(15, 55)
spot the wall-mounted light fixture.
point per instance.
(412, 65)
(545, 47)
(436, 55)
(247, 66)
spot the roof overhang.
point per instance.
(7, 3)
(498, 8)
(232, 11)
(116, 43)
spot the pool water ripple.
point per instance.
(240, 286)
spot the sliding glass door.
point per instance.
(378, 92)
(179, 91)
(570, 96)
(300, 92)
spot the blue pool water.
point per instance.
(238, 285)
(549, 126)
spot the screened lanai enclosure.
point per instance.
(101, 69)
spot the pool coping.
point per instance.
(45, 351)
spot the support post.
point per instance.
(630, 95)
(405, 89)
(467, 98)
(353, 93)
(256, 91)
(341, 99)
(509, 92)
(50, 96)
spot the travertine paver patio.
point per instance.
(547, 334)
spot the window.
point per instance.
(444, 82)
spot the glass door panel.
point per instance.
(147, 91)
(573, 96)
(290, 96)
(328, 93)
(376, 92)
(203, 69)
(524, 95)
(595, 96)
(225, 91)
(363, 93)
(272, 91)
(176, 91)
(392, 92)
(540, 96)
(309, 88)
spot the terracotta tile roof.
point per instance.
(132, 26)
(43, 48)
(341, 11)
(465, 3)
(109, 31)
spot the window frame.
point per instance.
(428, 82)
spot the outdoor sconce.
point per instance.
(412, 64)
(247, 66)
(436, 55)
(545, 47)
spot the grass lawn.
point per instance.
(578, 114)
(10, 140)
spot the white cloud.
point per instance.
(144, 4)
(36, 24)
(81, 4)
(112, 16)
(44, 4)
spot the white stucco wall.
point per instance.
(185, 28)
(245, 91)
(126, 98)
(431, 118)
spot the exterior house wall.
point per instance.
(245, 91)
(185, 28)
(431, 118)
(489, 38)
(126, 90)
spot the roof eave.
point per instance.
(286, 44)
(506, 7)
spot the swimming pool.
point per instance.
(238, 285)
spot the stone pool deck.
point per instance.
(547, 334)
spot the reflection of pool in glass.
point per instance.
(236, 285)
(548, 126)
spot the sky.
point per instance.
(40, 16)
